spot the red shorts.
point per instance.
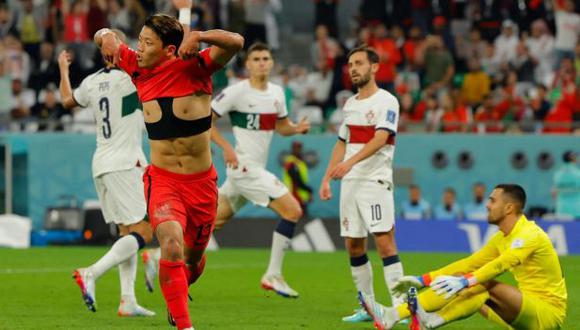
(190, 199)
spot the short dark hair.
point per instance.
(515, 192)
(256, 47)
(450, 190)
(371, 54)
(413, 186)
(167, 28)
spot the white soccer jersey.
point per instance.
(253, 114)
(119, 120)
(361, 119)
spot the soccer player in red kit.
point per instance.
(173, 80)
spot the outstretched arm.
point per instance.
(224, 44)
(65, 88)
(109, 44)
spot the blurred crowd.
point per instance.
(482, 66)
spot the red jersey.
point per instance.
(172, 78)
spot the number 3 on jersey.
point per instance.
(104, 107)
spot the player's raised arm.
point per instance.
(65, 88)
(109, 44)
(286, 127)
(224, 44)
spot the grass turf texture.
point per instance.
(37, 291)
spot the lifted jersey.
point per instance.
(118, 117)
(253, 114)
(361, 120)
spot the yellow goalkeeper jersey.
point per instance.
(527, 253)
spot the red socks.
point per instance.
(174, 285)
(194, 272)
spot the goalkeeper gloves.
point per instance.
(450, 285)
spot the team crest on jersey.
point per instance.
(391, 116)
(517, 243)
(370, 116)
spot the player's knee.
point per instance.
(293, 214)
(220, 222)
(172, 249)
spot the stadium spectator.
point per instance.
(30, 28)
(438, 63)
(474, 47)
(255, 28)
(449, 209)
(567, 29)
(407, 81)
(505, 44)
(76, 30)
(45, 70)
(24, 100)
(455, 116)
(325, 14)
(416, 207)
(324, 48)
(488, 16)
(318, 85)
(567, 186)
(475, 209)
(476, 83)
(119, 16)
(389, 57)
(17, 60)
(98, 16)
(295, 177)
(539, 104)
(433, 113)
(411, 44)
(524, 66)
(6, 21)
(541, 47)
(48, 111)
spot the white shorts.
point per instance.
(366, 206)
(122, 196)
(256, 185)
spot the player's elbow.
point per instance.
(68, 102)
(237, 42)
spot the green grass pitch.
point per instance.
(37, 292)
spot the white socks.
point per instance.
(279, 245)
(127, 275)
(363, 279)
(123, 249)
(393, 273)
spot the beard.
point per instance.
(363, 80)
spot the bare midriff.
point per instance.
(183, 155)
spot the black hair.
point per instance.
(514, 192)
(167, 28)
(371, 54)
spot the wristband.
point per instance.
(471, 280)
(425, 279)
(185, 16)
